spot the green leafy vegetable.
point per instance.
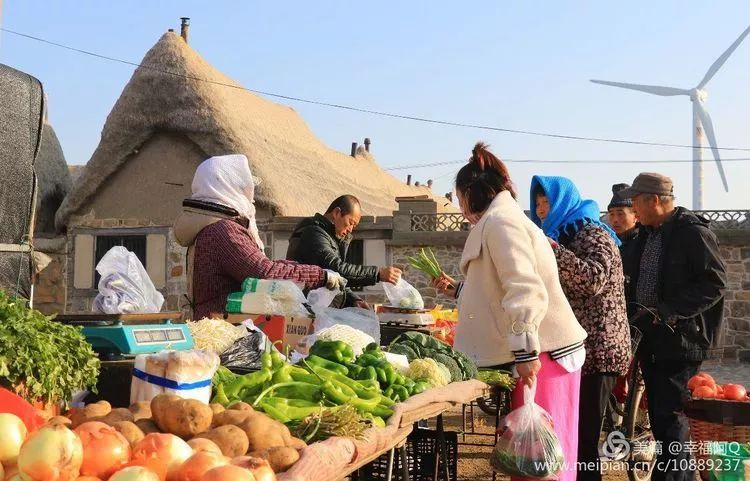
(40, 359)
(426, 262)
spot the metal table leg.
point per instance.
(404, 463)
(441, 453)
(389, 466)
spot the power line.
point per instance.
(541, 161)
(375, 112)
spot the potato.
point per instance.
(296, 443)
(141, 410)
(230, 416)
(184, 418)
(161, 403)
(241, 406)
(130, 431)
(281, 458)
(90, 412)
(216, 408)
(148, 426)
(59, 420)
(231, 440)
(116, 416)
(264, 432)
(204, 445)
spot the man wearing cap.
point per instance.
(624, 222)
(679, 293)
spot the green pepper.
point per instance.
(301, 390)
(376, 421)
(369, 359)
(420, 387)
(333, 393)
(373, 346)
(408, 384)
(297, 403)
(388, 392)
(247, 381)
(337, 351)
(282, 374)
(390, 374)
(401, 392)
(354, 370)
(364, 405)
(314, 360)
(370, 384)
(382, 376)
(381, 412)
(276, 360)
(359, 390)
(368, 373)
(266, 361)
(386, 402)
(275, 413)
(399, 379)
(220, 396)
(302, 375)
(293, 413)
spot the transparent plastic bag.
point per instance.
(268, 296)
(528, 446)
(186, 374)
(125, 287)
(403, 295)
(356, 317)
(321, 297)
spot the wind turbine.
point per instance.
(701, 120)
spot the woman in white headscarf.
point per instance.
(218, 227)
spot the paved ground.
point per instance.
(737, 372)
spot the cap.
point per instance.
(649, 183)
(617, 199)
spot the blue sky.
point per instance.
(520, 65)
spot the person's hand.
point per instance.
(552, 242)
(445, 285)
(527, 371)
(334, 281)
(362, 305)
(389, 274)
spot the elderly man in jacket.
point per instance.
(679, 289)
(323, 240)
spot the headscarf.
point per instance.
(568, 212)
(227, 180)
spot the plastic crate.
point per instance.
(420, 458)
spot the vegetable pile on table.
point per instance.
(40, 359)
(703, 386)
(421, 348)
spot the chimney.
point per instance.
(367, 144)
(170, 30)
(449, 196)
(417, 184)
(408, 179)
(354, 149)
(185, 28)
(429, 183)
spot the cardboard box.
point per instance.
(288, 330)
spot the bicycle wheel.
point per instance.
(642, 456)
(488, 404)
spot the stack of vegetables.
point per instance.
(420, 349)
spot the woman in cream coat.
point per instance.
(512, 310)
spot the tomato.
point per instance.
(734, 392)
(704, 392)
(700, 379)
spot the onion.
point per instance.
(228, 473)
(12, 435)
(134, 473)
(197, 465)
(2, 472)
(170, 450)
(104, 449)
(258, 466)
(152, 464)
(204, 445)
(87, 478)
(51, 453)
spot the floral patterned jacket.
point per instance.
(591, 275)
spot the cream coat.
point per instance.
(511, 299)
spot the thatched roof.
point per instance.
(75, 171)
(53, 181)
(299, 174)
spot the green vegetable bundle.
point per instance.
(426, 262)
(40, 359)
(417, 345)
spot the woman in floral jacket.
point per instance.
(591, 275)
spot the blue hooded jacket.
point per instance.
(568, 212)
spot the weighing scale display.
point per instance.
(149, 336)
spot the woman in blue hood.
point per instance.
(590, 270)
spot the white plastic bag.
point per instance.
(403, 295)
(321, 297)
(528, 446)
(356, 317)
(268, 296)
(186, 374)
(124, 287)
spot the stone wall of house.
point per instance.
(50, 286)
(736, 254)
(447, 256)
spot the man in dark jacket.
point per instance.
(323, 240)
(679, 289)
(624, 222)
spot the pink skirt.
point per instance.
(557, 391)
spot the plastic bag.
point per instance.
(322, 297)
(403, 295)
(124, 287)
(268, 296)
(244, 354)
(356, 317)
(528, 446)
(186, 374)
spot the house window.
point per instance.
(134, 243)
(356, 255)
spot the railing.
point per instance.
(720, 220)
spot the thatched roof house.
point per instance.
(53, 181)
(177, 91)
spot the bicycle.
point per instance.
(630, 418)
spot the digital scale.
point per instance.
(126, 335)
(410, 317)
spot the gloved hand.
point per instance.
(334, 281)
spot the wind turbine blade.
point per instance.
(720, 61)
(708, 129)
(651, 89)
